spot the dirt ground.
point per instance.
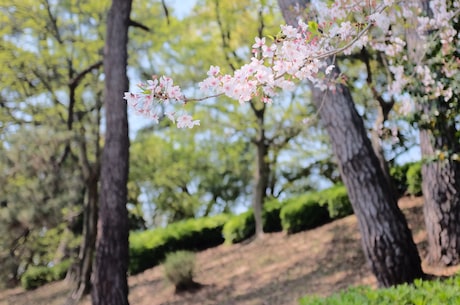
(275, 270)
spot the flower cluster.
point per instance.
(153, 96)
(417, 67)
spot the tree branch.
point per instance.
(76, 80)
(140, 25)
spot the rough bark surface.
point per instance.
(261, 174)
(441, 187)
(441, 178)
(110, 285)
(386, 238)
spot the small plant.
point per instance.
(179, 268)
(36, 276)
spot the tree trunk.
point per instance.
(386, 238)
(110, 284)
(87, 248)
(441, 187)
(262, 171)
(441, 176)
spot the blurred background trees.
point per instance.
(52, 123)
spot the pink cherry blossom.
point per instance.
(186, 121)
(346, 26)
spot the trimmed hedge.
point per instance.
(420, 293)
(242, 226)
(302, 213)
(36, 276)
(239, 227)
(271, 216)
(336, 200)
(149, 248)
(321, 207)
(314, 209)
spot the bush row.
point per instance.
(315, 209)
(420, 293)
(149, 248)
(292, 215)
(242, 226)
(36, 276)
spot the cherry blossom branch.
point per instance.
(296, 54)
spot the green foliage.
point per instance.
(242, 226)
(337, 201)
(179, 268)
(149, 248)
(239, 227)
(183, 177)
(293, 215)
(407, 178)
(398, 174)
(414, 179)
(420, 293)
(303, 212)
(36, 276)
(271, 216)
(47, 48)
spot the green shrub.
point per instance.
(336, 200)
(242, 226)
(149, 248)
(36, 276)
(420, 293)
(303, 212)
(179, 269)
(59, 271)
(398, 174)
(239, 227)
(414, 179)
(271, 216)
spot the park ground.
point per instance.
(275, 270)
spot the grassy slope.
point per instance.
(278, 269)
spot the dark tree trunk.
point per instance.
(441, 187)
(441, 176)
(386, 238)
(262, 170)
(111, 264)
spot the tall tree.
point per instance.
(441, 187)
(110, 284)
(51, 66)
(440, 146)
(386, 238)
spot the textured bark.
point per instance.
(441, 178)
(87, 249)
(376, 142)
(441, 187)
(111, 263)
(262, 171)
(386, 238)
